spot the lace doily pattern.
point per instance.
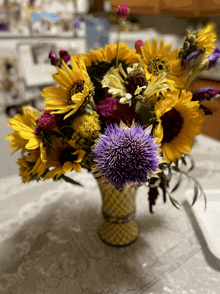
(49, 243)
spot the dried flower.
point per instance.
(46, 122)
(64, 55)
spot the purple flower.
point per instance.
(191, 60)
(138, 45)
(123, 11)
(213, 57)
(76, 24)
(205, 94)
(126, 155)
(64, 55)
(53, 58)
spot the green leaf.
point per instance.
(196, 192)
(177, 184)
(183, 160)
(174, 202)
(69, 180)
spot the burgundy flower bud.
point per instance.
(138, 45)
(53, 58)
(64, 55)
(123, 11)
(213, 57)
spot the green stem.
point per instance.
(119, 31)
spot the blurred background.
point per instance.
(30, 29)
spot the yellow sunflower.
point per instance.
(31, 166)
(159, 59)
(75, 87)
(133, 83)
(206, 37)
(179, 120)
(24, 136)
(63, 158)
(109, 53)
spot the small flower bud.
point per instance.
(64, 55)
(123, 11)
(213, 57)
(53, 58)
(138, 45)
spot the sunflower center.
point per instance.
(67, 155)
(172, 123)
(135, 78)
(76, 87)
(158, 65)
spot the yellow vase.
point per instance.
(119, 227)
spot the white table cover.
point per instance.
(49, 242)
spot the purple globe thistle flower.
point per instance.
(53, 58)
(123, 11)
(126, 155)
(213, 57)
(138, 45)
(64, 55)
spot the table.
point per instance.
(49, 242)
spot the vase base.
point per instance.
(118, 234)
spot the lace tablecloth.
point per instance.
(49, 242)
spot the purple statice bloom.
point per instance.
(191, 60)
(123, 11)
(205, 94)
(213, 57)
(64, 55)
(125, 155)
(53, 58)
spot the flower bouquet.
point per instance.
(126, 115)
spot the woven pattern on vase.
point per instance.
(119, 227)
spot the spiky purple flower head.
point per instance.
(126, 155)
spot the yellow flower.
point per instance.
(86, 129)
(63, 158)
(75, 87)
(179, 120)
(157, 60)
(31, 166)
(206, 37)
(132, 84)
(109, 53)
(24, 136)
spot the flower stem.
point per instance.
(119, 31)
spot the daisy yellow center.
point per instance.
(76, 87)
(172, 123)
(134, 79)
(67, 155)
(158, 65)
